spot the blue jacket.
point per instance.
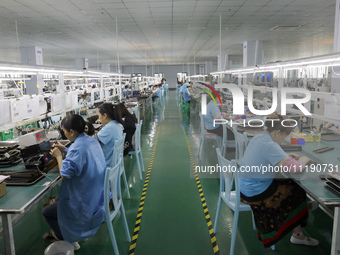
(81, 199)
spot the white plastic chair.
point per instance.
(160, 100)
(118, 152)
(241, 143)
(231, 198)
(178, 95)
(205, 135)
(163, 95)
(136, 112)
(150, 102)
(138, 149)
(112, 183)
(224, 142)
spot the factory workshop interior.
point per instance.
(169, 127)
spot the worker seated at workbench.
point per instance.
(279, 205)
(157, 92)
(79, 211)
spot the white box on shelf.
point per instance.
(18, 109)
(42, 105)
(68, 101)
(107, 93)
(74, 99)
(332, 107)
(57, 104)
(32, 107)
(32, 138)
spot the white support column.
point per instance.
(120, 88)
(118, 67)
(280, 86)
(335, 85)
(33, 56)
(195, 64)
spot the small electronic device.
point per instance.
(333, 184)
(92, 112)
(288, 147)
(9, 154)
(322, 150)
(323, 177)
(333, 187)
(38, 155)
(32, 138)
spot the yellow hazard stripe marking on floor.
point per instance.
(204, 204)
(142, 200)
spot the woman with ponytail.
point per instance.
(112, 131)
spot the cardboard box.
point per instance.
(3, 189)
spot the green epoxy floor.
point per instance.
(173, 221)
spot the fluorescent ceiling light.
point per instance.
(329, 60)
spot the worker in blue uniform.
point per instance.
(157, 92)
(213, 112)
(125, 91)
(178, 90)
(112, 131)
(182, 90)
(187, 94)
(79, 210)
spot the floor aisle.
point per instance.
(173, 220)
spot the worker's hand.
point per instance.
(304, 160)
(56, 152)
(59, 146)
(294, 156)
(225, 115)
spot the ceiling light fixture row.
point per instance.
(324, 60)
(35, 70)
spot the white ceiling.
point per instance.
(163, 32)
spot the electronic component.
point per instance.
(322, 150)
(32, 138)
(323, 177)
(333, 187)
(38, 156)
